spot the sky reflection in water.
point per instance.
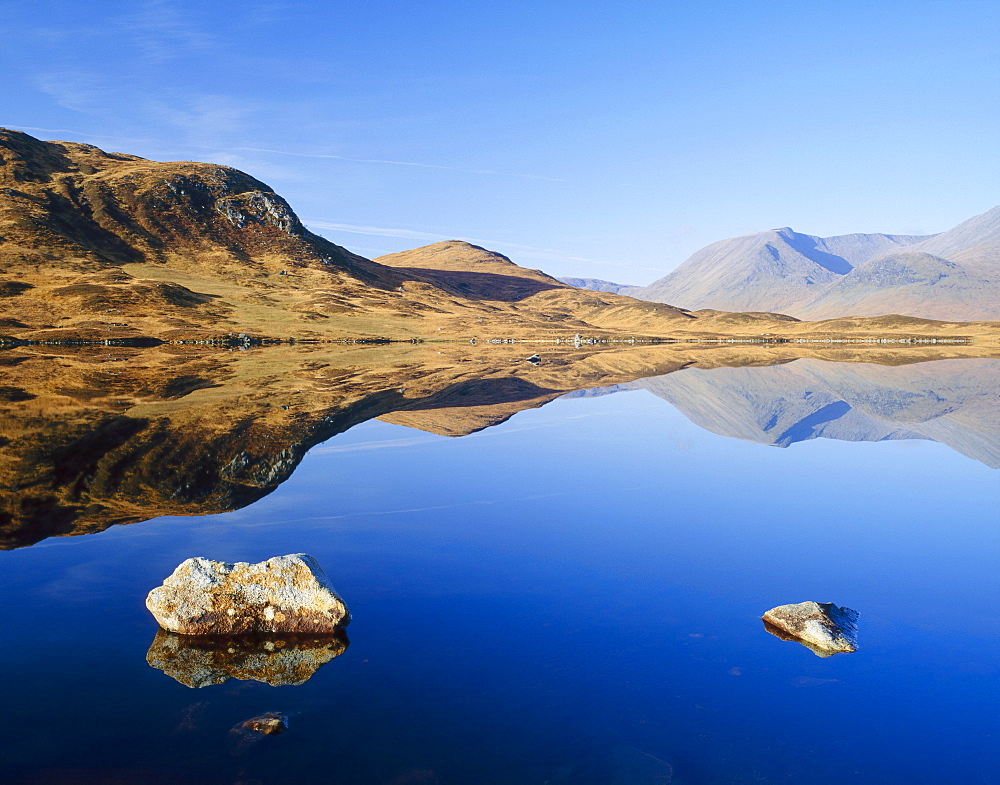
(564, 598)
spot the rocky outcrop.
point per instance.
(286, 594)
(277, 660)
(820, 626)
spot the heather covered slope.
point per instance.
(102, 245)
(99, 244)
(487, 279)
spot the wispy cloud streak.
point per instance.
(399, 163)
(289, 153)
(161, 32)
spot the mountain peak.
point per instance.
(817, 277)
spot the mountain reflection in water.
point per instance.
(954, 402)
(109, 435)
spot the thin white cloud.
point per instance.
(378, 231)
(161, 32)
(79, 91)
(204, 119)
(398, 163)
(71, 132)
(217, 113)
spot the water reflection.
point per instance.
(954, 402)
(110, 435)
(278, 660)
(779, 633)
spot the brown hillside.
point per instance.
(97, 246)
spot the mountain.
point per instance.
(773, 271)
(597, 285)
(950, 276)
(98, 246)
(975, 244)
(913, 283)
(954, 273)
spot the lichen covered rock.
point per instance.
(278, 660)
(286, 594)
(820, 626)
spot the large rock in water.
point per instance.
(820, 626)
(288, 594)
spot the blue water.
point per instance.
(547, 601)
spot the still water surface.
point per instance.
(570, 597)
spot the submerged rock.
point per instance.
(286, 594)
(245, 735)
(820, 626)
(278, 660)
(270, 723)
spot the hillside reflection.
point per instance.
(108, 435)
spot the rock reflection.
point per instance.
(777, 632)
(278, 660)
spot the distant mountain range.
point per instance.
(597, 285)
(954, 275)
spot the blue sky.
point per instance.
(577, 137)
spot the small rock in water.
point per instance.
(820, 626)
(245, 735)
(284, 594)
(534, 359)
(270, 723)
